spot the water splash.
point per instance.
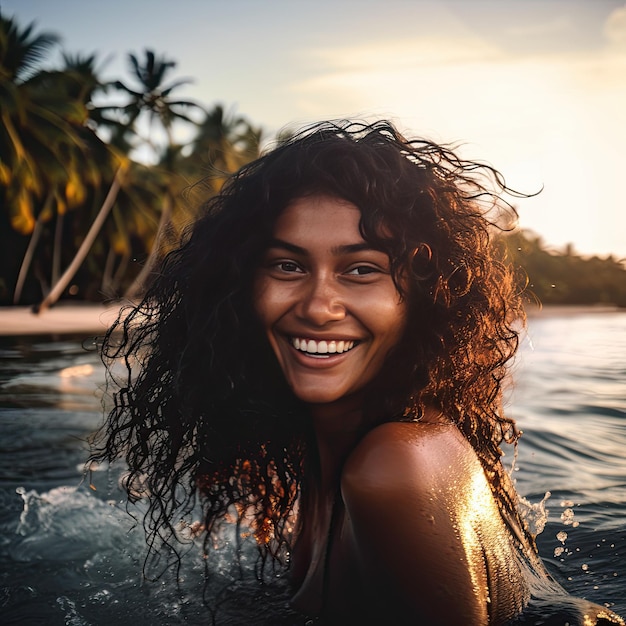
(65, 523)
(567, 517)
(71, 614)
(535, 514)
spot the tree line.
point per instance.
(550, 277)
(82, 217)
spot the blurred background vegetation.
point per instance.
(94, 185)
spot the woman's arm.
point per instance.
(416, 497)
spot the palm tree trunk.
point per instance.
(30, 251)
(56, 251)
(90, 237)
(120, 272)
(137, 286)
(107, 274)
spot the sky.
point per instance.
(536, 88)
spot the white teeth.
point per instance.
(310, 346)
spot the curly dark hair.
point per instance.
(202, 413)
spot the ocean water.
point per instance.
(71, 555)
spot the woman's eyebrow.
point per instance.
(285, 245)
(337, 250)
(353, 247)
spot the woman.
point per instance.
(323, 358)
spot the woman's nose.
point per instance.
(322, 301)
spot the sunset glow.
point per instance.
(538, 89)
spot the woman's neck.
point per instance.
(338, 427)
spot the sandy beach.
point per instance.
(60, 319)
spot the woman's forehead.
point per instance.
(319, 216)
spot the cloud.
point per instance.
(615, 27)
(558, 26)
(406, 53)
(375, 75)
(551, 118)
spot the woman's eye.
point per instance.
(288, 266)
(362, 270)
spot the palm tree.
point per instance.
(224, 143)
(153, 99)
(136, 216)
(95, 164)
(21, 52)
(52, 162)
(171, 185)
(58, 289)
(79, 82)
(55, 165)
(34, 131)
(52, 159)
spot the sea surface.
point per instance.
(72, 555)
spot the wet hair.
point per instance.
(202, 414)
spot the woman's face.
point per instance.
(327, 300)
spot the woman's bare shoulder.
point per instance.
(396, 454)
(413, 484)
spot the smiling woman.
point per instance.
(327, 300)
(321, 362)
